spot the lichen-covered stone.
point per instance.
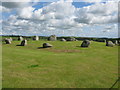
(20, 38)
(52, 38)
(24, 43)
(63, 39)
(7, 41)
(36, 38)
(47, 45)
(85, 43)
(109, 43)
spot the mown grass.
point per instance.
(65, 65)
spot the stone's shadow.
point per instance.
(40, 47)
(19, 45)
(78, 46)
(3, 43)
(81, 47)
(43, 47)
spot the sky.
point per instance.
(80, 18)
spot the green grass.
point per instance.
(65, 65)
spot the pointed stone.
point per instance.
(63, 39)
(24, 43)
(11, 39)
(36, 38)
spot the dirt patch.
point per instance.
(60, 51)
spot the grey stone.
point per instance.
(52, 38)
(85, 43)
(118, 42)
(36, 38)
(71, 39)
(11, 39)
(47, 45)
(7, 41)
(23, 42)
(76, 40)
(109, 43)
(63, 39)
(115, 42)
(20, 38)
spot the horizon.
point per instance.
(59, 36)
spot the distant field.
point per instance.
(65, 65)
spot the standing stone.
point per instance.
(109, 43)
(118, 42)
(76, 40)
(36, 38)
(11, 39)
(115, 42)
(52, 38)
(63, 39)
(7, 41)
(24, 43)
(85, 43)
(47, 45)
(104, 40)
(20, 38)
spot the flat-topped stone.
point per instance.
(47, 45)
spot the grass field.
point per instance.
(65, 65)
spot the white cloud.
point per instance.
(25, 12)
(59, 17)
(107, 8)
(98, 13)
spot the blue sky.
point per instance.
(60, 18)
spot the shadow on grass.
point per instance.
(78, 46)
(19, 45)
(82, 47)
(40, 47)
(32, 66)
(4, 44)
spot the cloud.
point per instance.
(61, 18)
(4, 9)
(99, 13)
(25, 12)
(15, 3)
